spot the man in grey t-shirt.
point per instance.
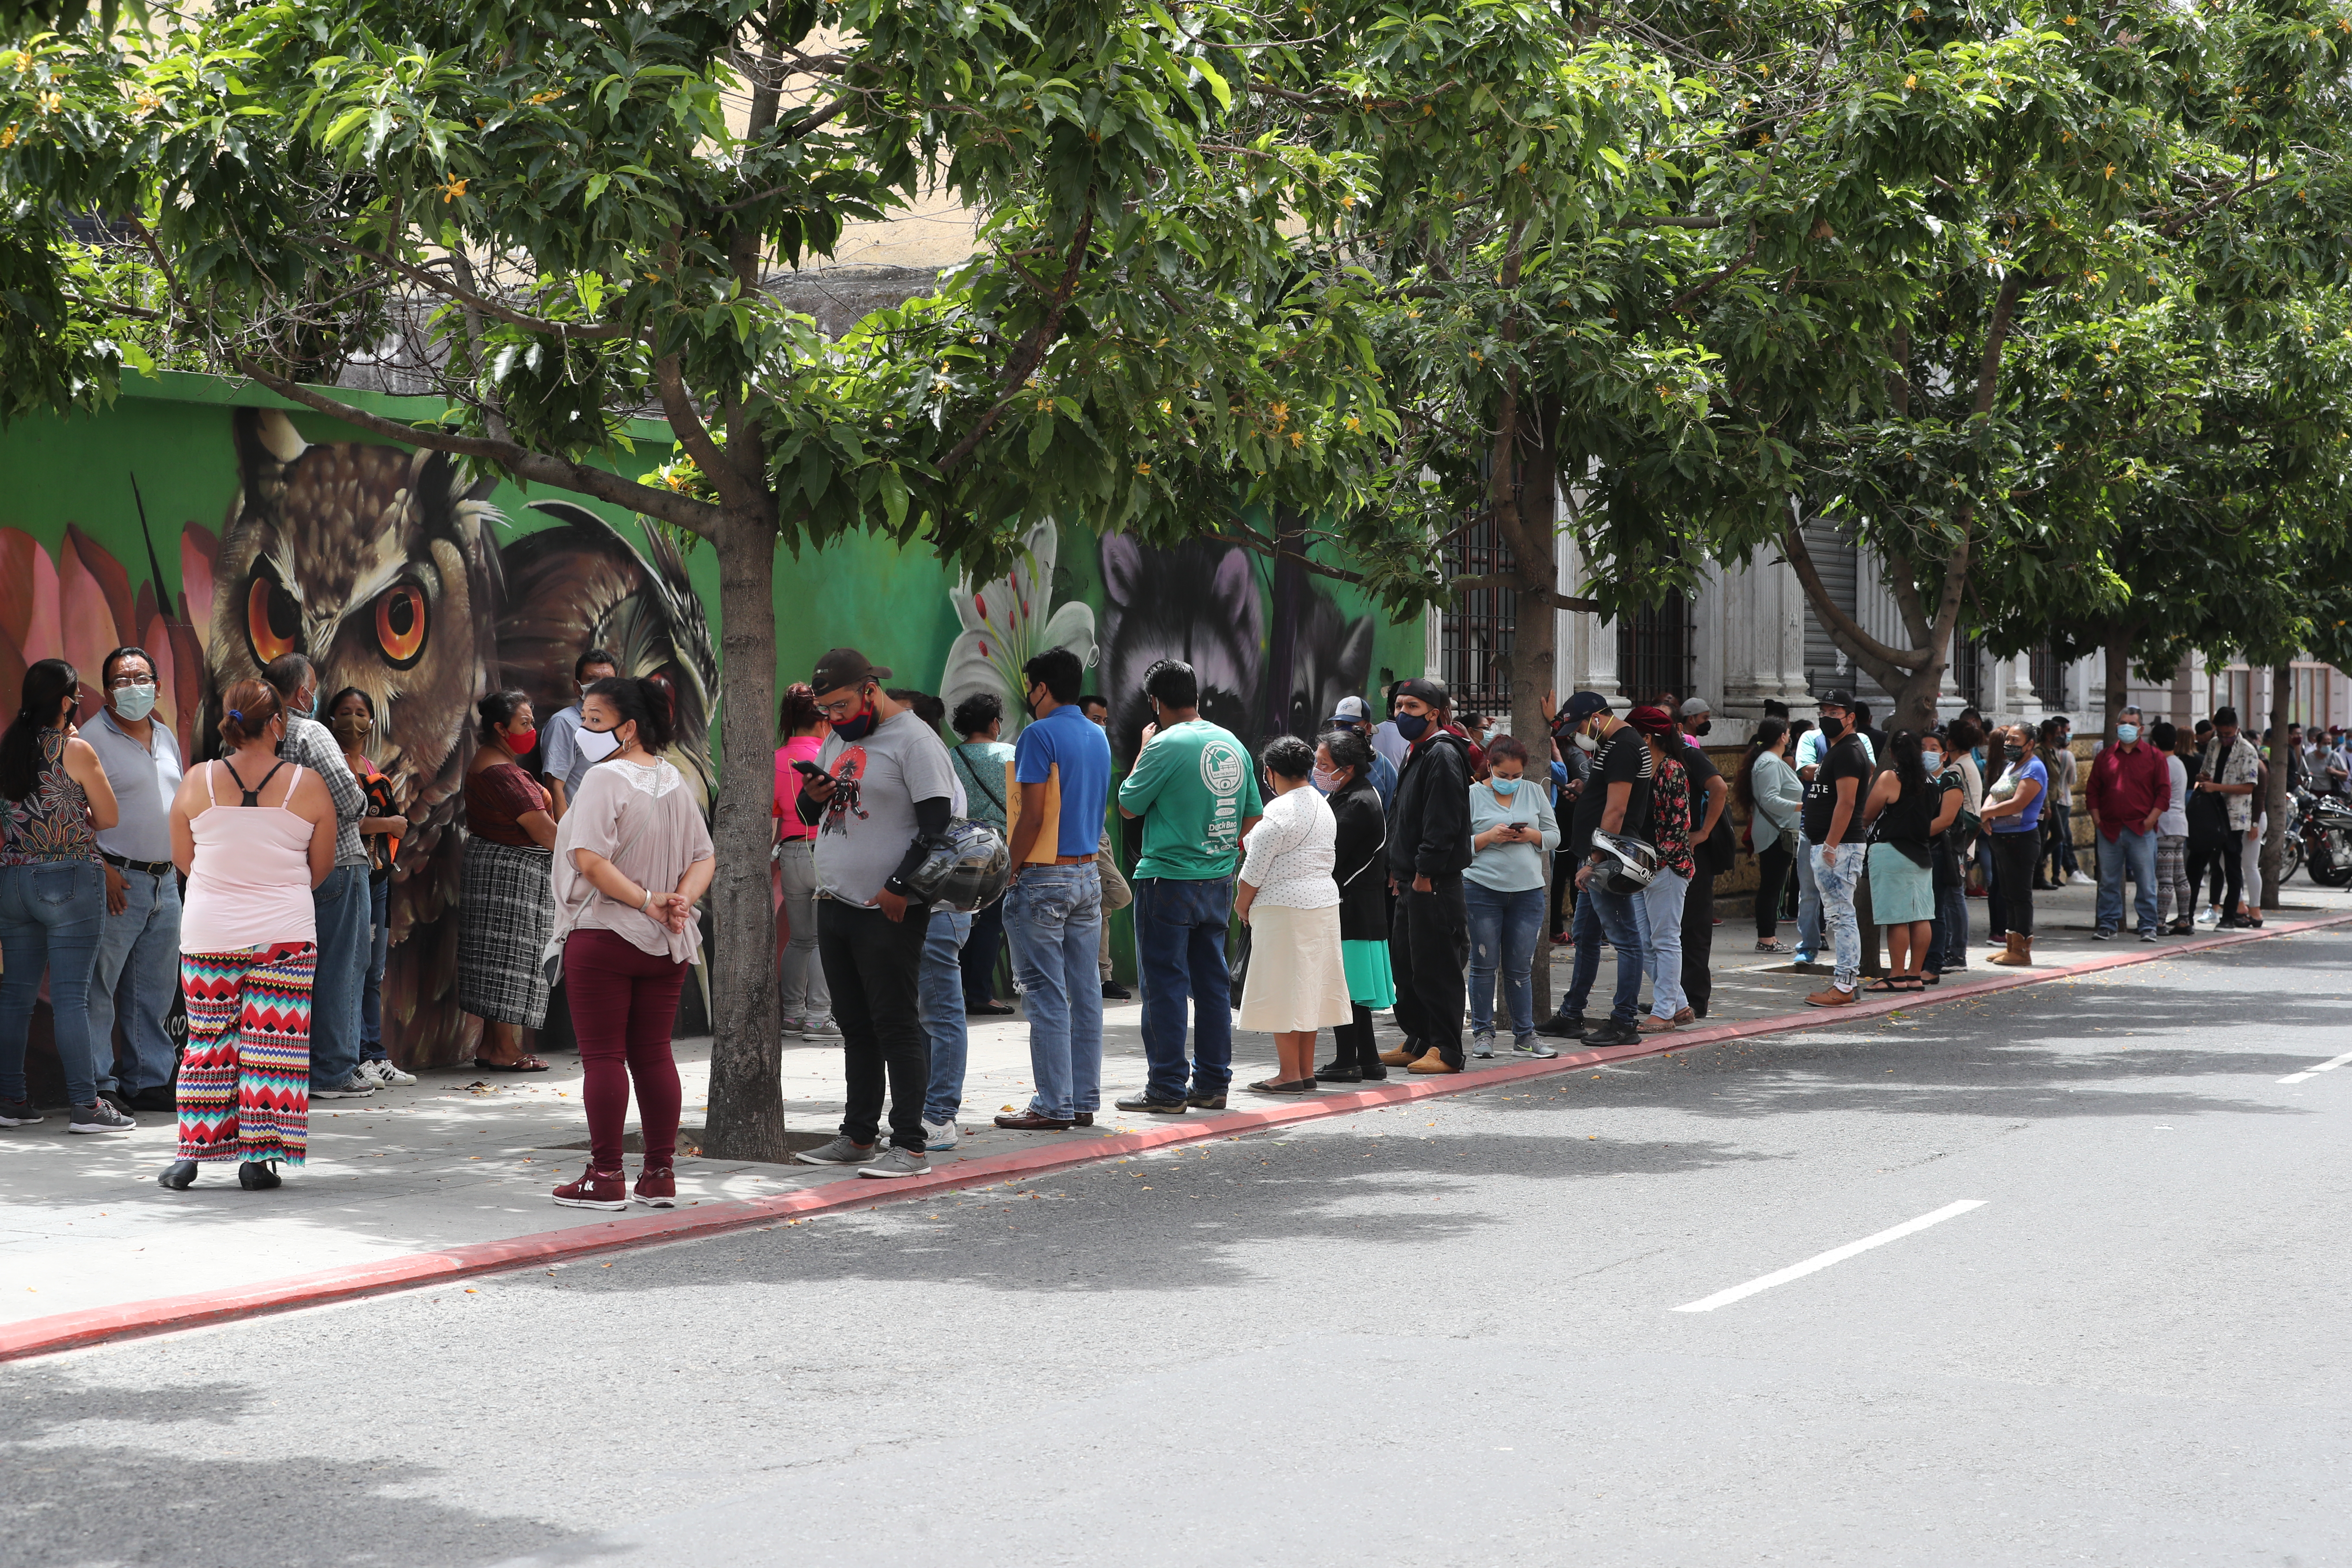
(886, 785)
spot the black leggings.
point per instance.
(2015, 855)
(2229, 870)
(1352, 1043)
(1772, 871)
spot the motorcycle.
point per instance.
(2323, 831)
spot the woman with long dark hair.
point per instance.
(1286, 893)
(508, 911)
(632, 860)
(1512, 835)
(1671, 822)
(1908, 807)
(54, 802)
(1343, 772)
(1769, 788)
(252, 851)
(2013, 818)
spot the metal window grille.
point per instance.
(2048, 673)
(1654, 651)
(1474, 638)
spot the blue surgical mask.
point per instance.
(2127, 733)
(1505, 787)
(135, 702)
(1412, 726)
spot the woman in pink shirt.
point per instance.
(253, 836)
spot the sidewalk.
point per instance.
(451, 1176)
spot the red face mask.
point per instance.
(520, 741)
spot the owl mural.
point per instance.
(383, 567)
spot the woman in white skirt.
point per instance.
(1298, 982)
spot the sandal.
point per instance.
(1285, 1086)
(1926, 979)
(1882, 987)
(528, 1063)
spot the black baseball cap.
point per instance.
(1583, 706)
(1835, 697)
(842, 666)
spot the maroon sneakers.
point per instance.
(658, 1187)
(596, 1189)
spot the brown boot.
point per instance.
(2020, 953)
(1396, 1059)
(1431, 1063)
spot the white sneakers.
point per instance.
(386, 1076)
(939, 1138)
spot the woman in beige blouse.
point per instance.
(632, 858)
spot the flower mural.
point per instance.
(81, 604)
(1008, 621)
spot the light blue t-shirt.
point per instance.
(1070, 751)
(1809, 749)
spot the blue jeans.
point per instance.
(1838, 881)
(1661, 957)
(2133, 855)
(1054, 915)
(979, 956)
(1503, 932)
(137, 973)
(372, 980)
(342, 905)
(1621, 920)
(51, 916)
(1809, 898)
(938, 1000)
(1180, 953)
(1952, 932)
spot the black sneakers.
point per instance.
(1611, 1033)
(1157, 1107)
(1564, 1026)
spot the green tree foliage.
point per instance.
(580, 205)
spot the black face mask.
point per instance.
(2014, 752)
(1705, 726)
(1832, 727)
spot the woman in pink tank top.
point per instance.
(253, 836)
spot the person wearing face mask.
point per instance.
(1343, 763)
(563, 765)
(2174, 907)
(139, 952)
(1616, 799)
(1350, 713)
(350, 718)
(2131, 786)
(882, 788)
(2012, 818)
(54, 802)
(1712, 852)
(1197, 795)
(341, 900)
(508, 911)
(1833, 827)
(1948, 930)
(1428, 848)
(1512, 833)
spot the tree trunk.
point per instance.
(2274, 797)
(1916, 698)
(747, 1102)
(1534, 660)
(2117, 688)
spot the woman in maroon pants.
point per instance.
(632, 858)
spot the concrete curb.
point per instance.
(74, 1330)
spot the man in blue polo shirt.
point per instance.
(1053, 912)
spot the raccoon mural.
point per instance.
(1202, 603)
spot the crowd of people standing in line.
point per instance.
(1401, 866)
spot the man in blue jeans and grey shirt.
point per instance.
(1194, 788)
(1053, 912)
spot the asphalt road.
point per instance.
(1439, 1334)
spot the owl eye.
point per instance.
(272, 618)
(400, 624)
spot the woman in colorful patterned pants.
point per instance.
(253, 836)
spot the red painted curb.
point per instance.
(98, 1325)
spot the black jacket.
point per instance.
(1359, 865)
(1429, 821)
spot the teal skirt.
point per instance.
(1369, 981)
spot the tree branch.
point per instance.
(463, 295)
(1885, 665)
(698, 516)
(1717, 221)
(1559, 601)
(1033, 349)
(679, 409)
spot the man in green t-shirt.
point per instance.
(1194, 788)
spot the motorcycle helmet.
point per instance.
(965, 868)
(1628, 864)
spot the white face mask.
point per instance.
(1585, 742)
(597, 744)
